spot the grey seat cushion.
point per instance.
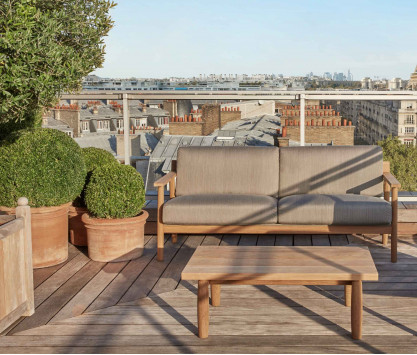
(227, 170)
(331, 170)
(334, 210)
(219, 209)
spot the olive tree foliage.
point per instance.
(403, 162)
(46, 48)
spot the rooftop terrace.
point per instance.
(142, 306)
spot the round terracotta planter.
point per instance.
(114, 240)
(77, 231)
(49, 234)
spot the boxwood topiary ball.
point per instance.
(44, 165)
(115, 191)
(93, 158)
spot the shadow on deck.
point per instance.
(141, 305)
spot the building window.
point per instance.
(140, 123)
(409, 130)
(409, 119)
(85, 125)
(103, 125)
(119, 124)
(408, 143)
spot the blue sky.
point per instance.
(162, 38)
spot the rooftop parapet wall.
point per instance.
(252, 108)
(211, 117)
(325, 121)
(343, 135)
(186, 128)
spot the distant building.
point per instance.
(367, 83)
(397, 84)
(96, 117)
(327, 76)
(349, 76)
(375, 120)
(323, 124)
(412, 84)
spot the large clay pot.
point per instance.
(49, 234)
(77, 231)
(114, 240)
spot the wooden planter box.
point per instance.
(16, 273)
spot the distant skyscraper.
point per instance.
(327, 75)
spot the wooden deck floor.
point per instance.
(141, 306)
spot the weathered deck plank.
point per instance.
(113, 313)
(123, 281)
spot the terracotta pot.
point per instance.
(114, 240)
(49, 234)
(77, 231)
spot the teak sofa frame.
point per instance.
(391, 186)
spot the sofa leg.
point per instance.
(384, 239)
(174, 238)
(394, 246)
(394, 233)
(160, 245)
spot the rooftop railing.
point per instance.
(301, 96)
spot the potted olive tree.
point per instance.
(47, 167)
(115, 223)
(93, 158)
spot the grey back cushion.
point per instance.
(331, 170)
(227, 170)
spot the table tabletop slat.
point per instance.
(280, 263)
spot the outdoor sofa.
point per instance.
(270, 190)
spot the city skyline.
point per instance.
(183, 39)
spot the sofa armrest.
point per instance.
(391, 180)
(164, 180)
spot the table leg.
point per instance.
(203, 308)
(356, 311)
(348, 295)
(215, 295)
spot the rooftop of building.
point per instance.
(56, 124)
(107, 111)
(108, 142)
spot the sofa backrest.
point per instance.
(331, 170)
(227, 170)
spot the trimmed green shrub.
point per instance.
(93, 158)
(115, 191)
(44, 165)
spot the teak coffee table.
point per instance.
(240, 265)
